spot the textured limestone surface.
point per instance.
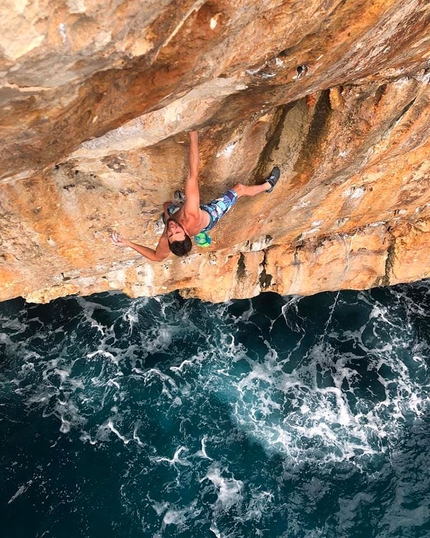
(95, 101)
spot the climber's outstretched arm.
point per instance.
(157, 255)
(192, 195)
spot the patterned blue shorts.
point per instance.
(219, 207)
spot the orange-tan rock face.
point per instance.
(96, 97)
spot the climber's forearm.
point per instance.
(157, 255)
(193, 159)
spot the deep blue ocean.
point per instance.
(292, 417)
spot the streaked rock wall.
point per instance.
(95, 100)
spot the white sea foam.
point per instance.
(103, 353)
(229, 489)
(202, 453)
(260, 502)
(175, 460)
(305, 399)
(285, 411)
(22, 489)
(179, 397)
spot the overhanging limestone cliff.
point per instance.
(96, 97)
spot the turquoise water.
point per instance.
(272, 417)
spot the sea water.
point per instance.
(297, 417)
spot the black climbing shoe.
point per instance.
(273, 178)
(179, 197)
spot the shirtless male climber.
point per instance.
(192, 218)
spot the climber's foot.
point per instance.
(273, 178)
(179, 197)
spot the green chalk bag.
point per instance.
(202, 239)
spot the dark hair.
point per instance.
(181, 248)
